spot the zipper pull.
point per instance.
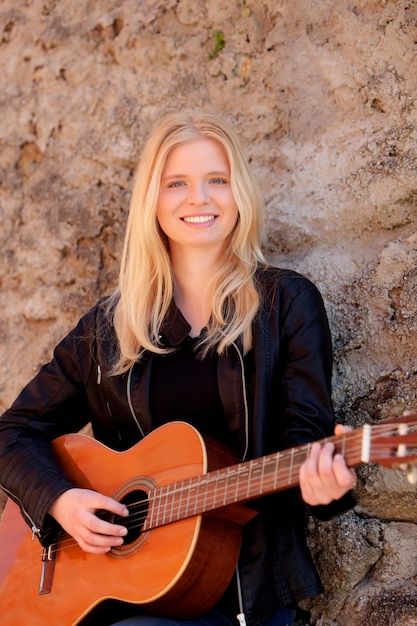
(99, 375)
(35, 531)
(241, 619)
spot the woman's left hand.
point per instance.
(324, 476)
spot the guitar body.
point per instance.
(178, 569)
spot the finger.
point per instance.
(324, 476)
(109, 504)
(312, 461)
(308, 477)
(93, 537)
(95, 531)
(310, 466)
(335, 477)
(323, 483)
(100, 526)
(98, 543)
(104, 526)
(97, 501)
(341, 429)
(325, 464)
(345, 476)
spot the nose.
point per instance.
(198, 194)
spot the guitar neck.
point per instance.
(244, 481)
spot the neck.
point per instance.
(192, 272)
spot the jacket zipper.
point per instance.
(35, 530)
(241, 615)
(99, 380)
(129, 399)
(245, 401)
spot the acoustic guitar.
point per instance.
(186, 497)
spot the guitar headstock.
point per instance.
(393, 443)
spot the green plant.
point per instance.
(219, 43)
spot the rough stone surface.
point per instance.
(324, 96)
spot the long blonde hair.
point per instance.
(146, 281)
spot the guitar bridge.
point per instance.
(48, 568)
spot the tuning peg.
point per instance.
(411, 473)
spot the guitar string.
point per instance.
(208, 481)
(140, 517)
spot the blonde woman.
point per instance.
(200, 330)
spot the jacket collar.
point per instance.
(175, 327)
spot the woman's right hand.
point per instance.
(75, 510)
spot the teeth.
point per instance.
(199, 219)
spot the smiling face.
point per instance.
(195, 204)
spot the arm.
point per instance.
(308, 412)
(55, 402)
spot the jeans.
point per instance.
(283, 617)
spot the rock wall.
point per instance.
(324, 96)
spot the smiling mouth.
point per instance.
(199, 219)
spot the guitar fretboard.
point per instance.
(241, 482)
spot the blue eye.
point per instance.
(219, 181)
(176, 183)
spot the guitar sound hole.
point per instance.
(137, 503)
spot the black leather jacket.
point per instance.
(285, 402)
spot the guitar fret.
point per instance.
(217, 492)
(196, 495)
(225, 488)
(164, 504)
(220, 488)
(173, 499)
(261, 487)
(158, 513)
(163, 500)
(187, 505)
(277, 459)
(169, 501)
(206, 484)
(180, 492)
(291, 466)
(250, 472)
(232, 482)
(214, 496)
(254, 478)
(149, 521)
(237, 473)
(236, 497)
(225, 483)
(206, 496)
(308, 450)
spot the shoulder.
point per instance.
(275, 282)
(290, 302)
(94, 321)
(94, 327)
